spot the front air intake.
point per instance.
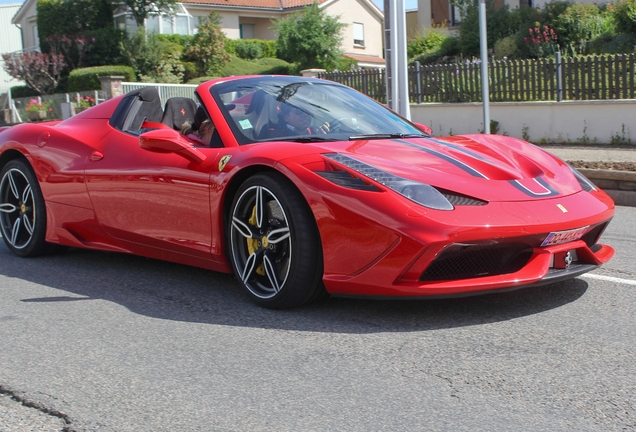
(463, 261)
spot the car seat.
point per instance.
(179, 110)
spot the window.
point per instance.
(181, 22)
(152, 24)
(247, 31)
(358, 34)
(36, 38)
(455, 16)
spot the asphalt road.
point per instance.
(108, 342)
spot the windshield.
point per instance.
(304, 110)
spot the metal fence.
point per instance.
(52, 103)
(554, 79)
(166, 91)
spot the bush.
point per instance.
(346, 63)
(207, 49)
(249, 51)
(189, 71)
(608, 43)
(624, 14)
(430, 41)
(506, 48)
(310, 38)
(444, 54)
(579, 24)
(72, 17)
(264, 66)
(105, 49)
(143, 52)
(500, 23)
(181, 40)
(23, 91)
(88, 78)
(267, 47)
(239, 46)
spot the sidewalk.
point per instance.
(620, 185)
(592, 154)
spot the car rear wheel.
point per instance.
(22, 210)
(274, 243)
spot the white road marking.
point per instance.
(610, 279)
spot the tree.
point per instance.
(207, 49)
(81, 30)
(142, 9)
(310, 38)
(40, 71)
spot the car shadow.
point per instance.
(177, 292)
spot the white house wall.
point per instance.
(359, 12)
(26, 18)
(231, 20)
(10, 41)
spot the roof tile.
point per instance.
(257, 4)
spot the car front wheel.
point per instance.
(274, 243)
(22, 210)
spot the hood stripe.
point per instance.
(460, 149)
(549, 190)
(470, 170)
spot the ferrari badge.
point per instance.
(562, 208)
(224, 160)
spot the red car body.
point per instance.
(520, 216)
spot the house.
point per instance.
(10, 41)
(248, 19)
(432, 13)
(437, 12)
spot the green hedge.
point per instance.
(72, 17)
(264, 66)
(251, 48)
(88, 78)
(23, 91)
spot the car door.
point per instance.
(151, 198)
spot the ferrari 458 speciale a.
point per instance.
(305, 188)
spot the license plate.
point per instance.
(559, 237)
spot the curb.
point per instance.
(620, 185)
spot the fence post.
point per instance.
(559, 76)
(418, 81)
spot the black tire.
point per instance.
(273, 243)
(22, 210)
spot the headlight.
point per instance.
(585, 183)
(421, 193)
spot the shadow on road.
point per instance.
(176, 292)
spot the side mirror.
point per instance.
(425, 128)
(170, 141)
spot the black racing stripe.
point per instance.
(460, 149)
(447, 158)
(542, 182)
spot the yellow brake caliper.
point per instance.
(252, 243)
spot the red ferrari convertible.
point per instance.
(306, 187)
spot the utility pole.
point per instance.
(397, 79)
(483, 45)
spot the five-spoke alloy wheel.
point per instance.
(274, 243)
(22, 212)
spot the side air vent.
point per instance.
(344, 179)
(461, 200)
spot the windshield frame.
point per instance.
(346, 111)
